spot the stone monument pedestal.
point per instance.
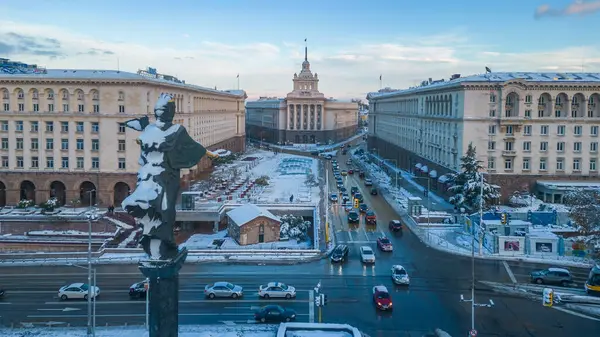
(163, 294)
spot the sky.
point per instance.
(350, 42)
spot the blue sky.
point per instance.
(350, 42)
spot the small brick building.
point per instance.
(250, 224)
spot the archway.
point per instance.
(87, 193)
(58, 190)
(2, 194)
(27, 189)
(304, 139)
(121, 191)
(297, 139)
(313, 139)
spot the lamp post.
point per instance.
(91, 314)
(428, 203)
(90, 217)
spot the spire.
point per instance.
(305, 50)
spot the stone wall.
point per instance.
(251, 230)
(11, 247)
(21, 227)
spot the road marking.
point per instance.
(228, 322)
(575, 313)
(141, 315)
(509, 272)
(311, 307)
(5, 303)
(348, 242)
(63, 310)
(365, 232)
(182, 301)
(350, 236)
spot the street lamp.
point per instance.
(91, 314)
(428, 202)
(91, 216)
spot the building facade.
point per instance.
(526, 127)
(250, 224)
(303, 116)
(63, 134)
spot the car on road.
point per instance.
(138, 290)
(385, 244)
(374, 191)
(328, 156)
(361, 174)
(363, 208)
(340, 253)
(333, 197)
(349, 162)
(345, 197)
(274, 314)
(367, 255)
(344, 173)
(400, 275)
(340, 185)
(343, 189)
(350, 171)
(223, 289)
(353, 217)
(370, 216)
(344, 152)
(382, 298)
(359, 197)
(353, 190)
(276, 289)
(368, 182)
(77, 291)
(559, 276)
(395, 226)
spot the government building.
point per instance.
(303, 116)
(63, 131)
(535, 132)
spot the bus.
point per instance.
(592, 285)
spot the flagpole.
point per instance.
(380, 82)
(238, 82)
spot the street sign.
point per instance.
(473, 333)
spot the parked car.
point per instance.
(382, 298)
(340, 253)
(367, 255)
(138, 289)
(385, 244)
(78, 291)
(363, 208)
(368, 182)
(353, 217)
(275, 314)
(333, 197)
(395, 226)
(400, 275)
(223, 289)
(276, 289)
(558, 276)
(374, 191)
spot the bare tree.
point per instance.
(585, 209)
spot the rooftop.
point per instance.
(243, 214)
(499, 77)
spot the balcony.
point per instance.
(512, 120)
(509, 153)
(558, 105)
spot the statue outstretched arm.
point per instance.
(138, 124)
(212, 155)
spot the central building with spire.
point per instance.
(304, 116)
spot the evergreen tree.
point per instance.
(467, 184)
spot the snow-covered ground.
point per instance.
(37, 212)
(207, 241)
(69, 233)
(119, 223)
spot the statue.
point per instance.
(166, 148)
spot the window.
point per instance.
(20, 162)
(577, 130)
(526, 164)
(509, 146)
(491, 145)
(80, 108)
(528, 113)
(64, 126)
(65, 108)
(64, 162)
(96, 108)
(49, 162)
(594, 147)
(121, 163)
(492, 98)
(594, 131)
(95, 163)
(19, 126)
(35, 162)
(509, 130)
(4, 161)
(560, 164)
(542, 164)
(79, 127)
(35, 144)
(80, 145)
(95, 127)
(593, 165)
(492, 113)
(4, 143)
(19, 143)
(95, 145)
(36, 107)
(34, 126)
(21, 107)
(560, 147)
(491, 163)
(122, 127)
(544, 130)
(121, 96)
(558, 113)
(508, 163)
(79, 162)
(49, 144)
(544, 146)
(4, 126)
(50, 107)
(6, 106)
(577, 147)
(64, 144)
(560, 130)
(528, 99)
(121, 108)
(121, 145)
(526, 146)
(492, 129)
(576, 164)
(49, 126)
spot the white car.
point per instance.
(399, 275)
(333, 197)
(367, 255)
(77, 291)
(277, 289)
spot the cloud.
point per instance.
(578, 7)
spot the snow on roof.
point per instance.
(246, 213)
(563, 270)
(97, 74)
(499, 77)
(541, 233)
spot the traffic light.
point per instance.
(548, 297)
(323, 299)
(318, 301)
(504, 218)
(356, 203)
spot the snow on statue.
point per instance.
(166, 148)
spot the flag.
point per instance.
(380, 77)
(488, 70)
(238, 76)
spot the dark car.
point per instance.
(395, 225)
(361, 174)
(316, 153)
(344, 152)
(274, 313)
(363, 208)
(359, 197)
(340, 253)
(385, 244)
(353, 217)
(138, 290)
(353, 190)
(374, 191)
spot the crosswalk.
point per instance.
(357, 236)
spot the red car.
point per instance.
(385, 244)
(382, 298)
(350, 171)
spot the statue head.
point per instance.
(164, 109)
